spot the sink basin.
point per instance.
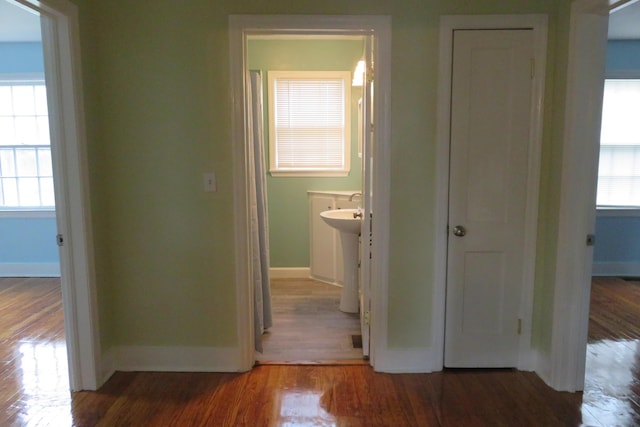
(343, 220)
(349, 228)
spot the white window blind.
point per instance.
(309, 123)
(26, 175)
(619, 169)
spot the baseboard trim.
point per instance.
(289, 272)
(626, 269)
(107, 366)
(30, 269)
(177, 359)
(542, 364)
(407, 361)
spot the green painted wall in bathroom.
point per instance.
(287, 196)
(158, 111)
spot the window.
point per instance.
(619, 170)
(309, 123)
(26, 175)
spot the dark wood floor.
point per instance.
(33, 384)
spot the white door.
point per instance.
(490, 134)
(366, 238)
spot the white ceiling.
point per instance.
(625, 22)
(20, 25)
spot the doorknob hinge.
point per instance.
(367, 317)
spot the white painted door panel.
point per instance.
(490, 133)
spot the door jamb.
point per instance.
(61, 48)
(240, 27)
(565, 368)
(448, 24)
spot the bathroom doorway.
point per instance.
(374, 167)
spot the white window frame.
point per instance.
(624, 210)
(274, 170)
(28, 79)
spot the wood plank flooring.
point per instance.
(308, 326)
(34, 387)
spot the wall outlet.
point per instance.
(210, 184)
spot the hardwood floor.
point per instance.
(308, 325)
(34, 387)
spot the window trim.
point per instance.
(616, 210)
(272, 75)
(25, 79)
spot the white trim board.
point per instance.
(289, 272)
(448, 24)
(581, 139)
(176, 359)
(30, 269)
(241, 27)
(624, 269)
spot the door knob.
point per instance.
(459, 231)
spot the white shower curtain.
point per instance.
(259, 218)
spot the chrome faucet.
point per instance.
(358, 194)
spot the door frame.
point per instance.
(448, 24)
(564, 367)
(61, 49)
(240, 28)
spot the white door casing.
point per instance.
(449, 24)
(366, 235)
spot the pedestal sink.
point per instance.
(348, 224)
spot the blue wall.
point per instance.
(27, 244)
(21, 58)
(617, 249)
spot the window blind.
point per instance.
(619, 167)
(310, 123)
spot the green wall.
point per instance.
(287, 196)
(156, 80)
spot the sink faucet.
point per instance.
(356, 194)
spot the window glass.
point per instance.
(26, 175)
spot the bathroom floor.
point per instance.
(308, 326)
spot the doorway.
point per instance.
(466, 268)
(302, 90)
(60, 46)
(243, 27)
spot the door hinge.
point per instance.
(370, 74)
(533, 67)
(591, 239)
(367, 317)
(59, 240)
(519, 326)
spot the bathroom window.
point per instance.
(309, 123)
(26, 174)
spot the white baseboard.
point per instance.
(289, 272)
(407, 361)
(542, 366)
(107, 366)
(30, 269)
(625, 269)
(177, 359)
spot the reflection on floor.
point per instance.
(612, 382)
(308, 325)
(34, 380)
(34, 386)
